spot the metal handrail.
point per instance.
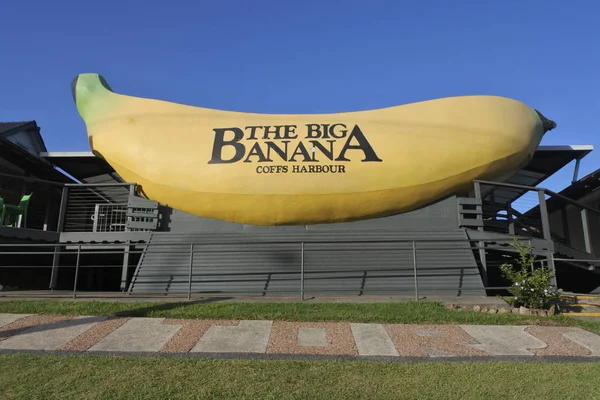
(186, 243)
(536, 189)
(22, 253)
(196, 248)
(546, 230)
(100, 184)
(582, 260)
(34, 180)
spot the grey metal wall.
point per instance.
(440, 216)
(245, 263)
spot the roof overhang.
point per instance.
(35, 166)
(83, 166)
(546, 161)
(8, 129)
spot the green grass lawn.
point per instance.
(101, 377)
(406, 312)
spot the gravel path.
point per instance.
(284, 338)
(558, 345)
(432, 340)
(295, 339)
(191, 331)
(93, 335)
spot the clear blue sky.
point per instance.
(304, 57)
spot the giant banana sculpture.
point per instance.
(267, 169)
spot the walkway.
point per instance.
(261, 339)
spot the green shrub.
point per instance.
(531, 284)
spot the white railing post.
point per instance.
(302, 272)
(414, 248)
(76, 272)
(190, 272)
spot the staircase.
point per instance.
(577, 258)
(560, 234)
(335, 263)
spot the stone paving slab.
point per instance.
(50, 336)
(504, 340)
(247, 337)
(6, 319)
(312, 337)
(177, 336)
(373, 340)
(138, 334)
(585, 339)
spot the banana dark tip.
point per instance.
(74, 88)
(547, 124)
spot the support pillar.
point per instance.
(58, 249)
(481, 244)
(125, 266)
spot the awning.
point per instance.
(34, 166)
(546, 161)
(83, 166)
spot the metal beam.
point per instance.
(586, 232)
(544, 215)
(511, 222)
(125, 266)
(93, 185)
(50, 154)
(302, 271)
(33, 180)
(61, 225)
(98, 237)
(576, 172)
(55, 262)
(552, 267)
(64, 199)
(565, 223)
(583, 147)
(481, 245)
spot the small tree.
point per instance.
(531, 286)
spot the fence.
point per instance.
(410, 269)
(59, 207)
(96, 207)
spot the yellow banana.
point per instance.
(268, 169)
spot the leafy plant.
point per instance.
(531, 284)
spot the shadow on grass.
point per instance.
(158, 307)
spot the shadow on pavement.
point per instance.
(136, 312)
(49, 326)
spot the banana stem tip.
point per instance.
(74, 88)
(547, 124)
(89, 83)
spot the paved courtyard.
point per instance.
(183, 336)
